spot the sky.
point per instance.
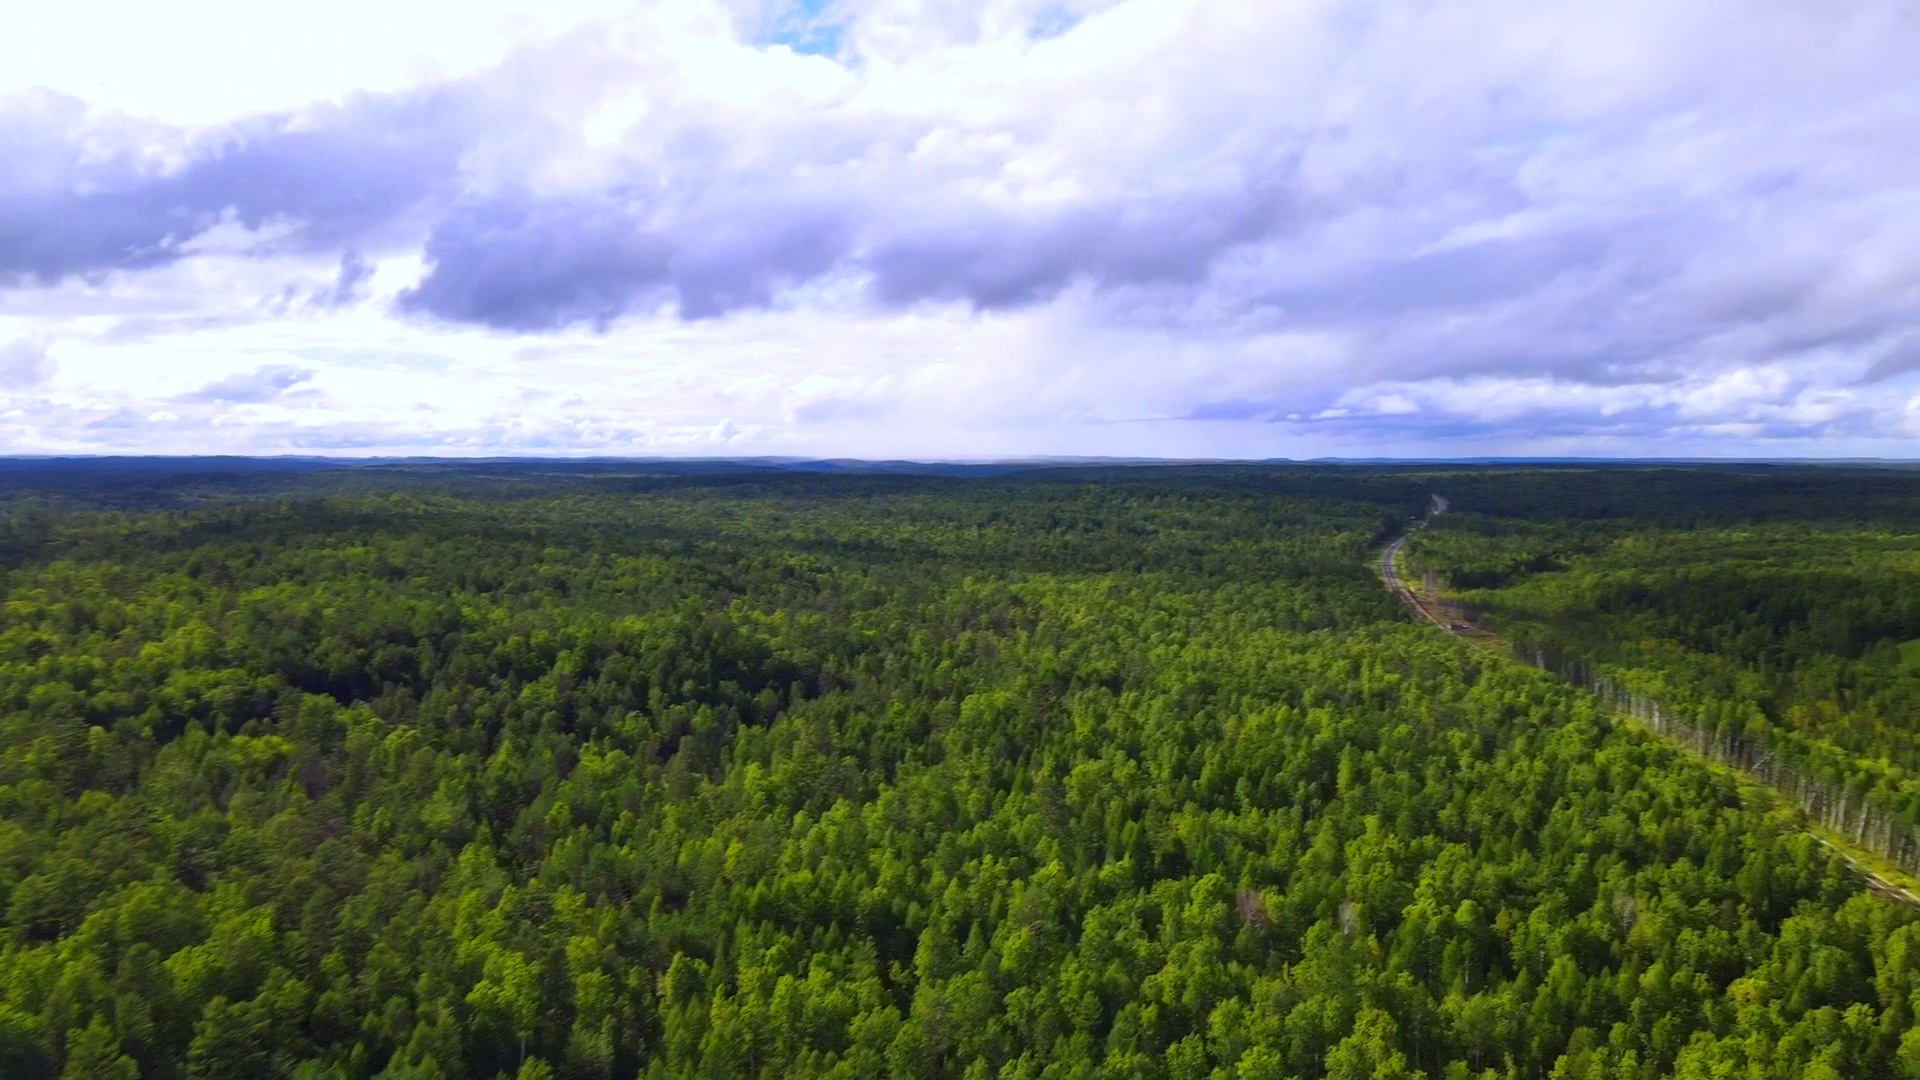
(962, 230)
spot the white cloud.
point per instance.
(204, 62)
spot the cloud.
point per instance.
(349, 281)
(539, 264)
(1901, 357)
(25, 364)
(994, 260)
(1351, 191)
(93, 201)
(259, 385)
(1584, 218)
(535, 265)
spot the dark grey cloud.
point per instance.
(742, 255)
(252, 387)
(538, 264)
(336, 174)
(534, 264)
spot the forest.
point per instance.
(435, 771)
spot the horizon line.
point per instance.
(351, 460)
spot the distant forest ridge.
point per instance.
(10, 463)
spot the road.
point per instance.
(1390, 567)
(1390, 573)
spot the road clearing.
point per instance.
(1390, 573)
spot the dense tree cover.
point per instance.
(1787, 646)
(1060, 775)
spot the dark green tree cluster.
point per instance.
(1056, 776)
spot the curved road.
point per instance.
(1390, 570)
(1390, 567)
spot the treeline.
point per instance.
(1054, 776)
(1848, 797)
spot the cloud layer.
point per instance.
(1145, 226)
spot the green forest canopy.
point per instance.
(533, 771)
